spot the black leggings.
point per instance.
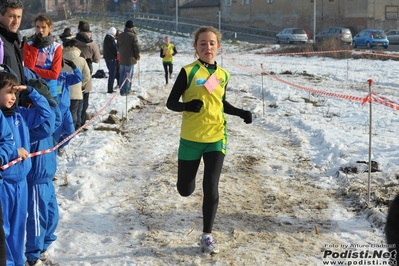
(187, 171)
(167, 72)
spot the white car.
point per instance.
(393, 36)
(292, 35)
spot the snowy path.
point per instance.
(271, 211)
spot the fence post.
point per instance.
(370, 81)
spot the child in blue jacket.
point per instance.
(7, 151)
(14, 192)
(67, 126)
(42, 202)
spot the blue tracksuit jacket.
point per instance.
(64, 101)
(42, 202)
(14, 192)
(8, 150)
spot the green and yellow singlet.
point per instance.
(168, 52)
(209, 125)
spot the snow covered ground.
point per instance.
(283, 198)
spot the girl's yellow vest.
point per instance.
(168, 52)
(209, 125)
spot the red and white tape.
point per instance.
(375, 97)
(13, 162)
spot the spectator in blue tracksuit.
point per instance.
(7, 147)
(8, 151)
(42, 202)
(67, 126)
(14, 191)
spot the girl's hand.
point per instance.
(23, 153)
(25, 90)
(19, 88)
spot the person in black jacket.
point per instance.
(117, 59)
(110, 53)
(129, 51)
(10, 20)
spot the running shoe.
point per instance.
(208, 245)
(36, 263)
(47, 260)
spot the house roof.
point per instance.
(201, 3)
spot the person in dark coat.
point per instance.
(110, 55)
(91, 53)
(117, 59)
(10, 20)
(66, 36)
(129, 53)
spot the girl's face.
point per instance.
(43, 28)
(207, 46)
(7, 97)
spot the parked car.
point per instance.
(370, 38)
(393, 36)
(291, 35)
(335, 33)
(352, 29)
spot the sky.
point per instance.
(284, 197)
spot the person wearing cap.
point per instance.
(66, 36)
(91, 53)
(129, 52)
(110, 56)
(168, 50)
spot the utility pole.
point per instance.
(177, 15)
(219, 15)
(314, 21)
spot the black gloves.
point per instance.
(196, 105)
(247, 116)
(193, 106)
(70, 63)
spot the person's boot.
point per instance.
(110, 88)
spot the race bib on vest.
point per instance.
(41, 59)
(212, 83)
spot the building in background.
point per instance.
(265, 14)
(279, 14)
